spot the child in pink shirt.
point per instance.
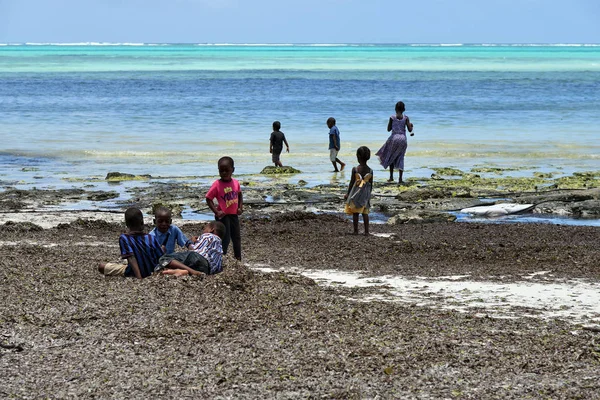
(228, 193)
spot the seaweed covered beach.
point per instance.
(265, 328)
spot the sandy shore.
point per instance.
(384, 316)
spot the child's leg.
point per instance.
(366, 222)
(236, 237)
(227, 237)
(391, 174)
(335, 169)
(174, 264)
(400, 176)
(342, 165)
(355, 222)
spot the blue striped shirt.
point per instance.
(209, 246)
(144, 247)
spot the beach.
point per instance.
(419, 309)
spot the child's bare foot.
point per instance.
(176, 272)
(355, 233)
(367, 234)
(342, 166)
(336, 170)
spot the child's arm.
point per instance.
(409, 124)
(390, 125)
(131, 260)
(213, 208)
(352, 181)
(271, 147)
(336, 139)
(240, 209)
(287, 146)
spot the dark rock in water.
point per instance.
(302, 182)
(420, 217)
(120, 176)
(273, 170)
(100, 195)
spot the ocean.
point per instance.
(69, 112)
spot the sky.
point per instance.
(300, 21)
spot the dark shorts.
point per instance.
(275, 156)
(188, 258)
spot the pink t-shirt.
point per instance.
(226, 193)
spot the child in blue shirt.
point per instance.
(166, 233)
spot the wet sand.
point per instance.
(67, 331)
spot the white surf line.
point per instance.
(577, 301)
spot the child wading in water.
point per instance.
(276, 144)
(392, 153)
(358, 198)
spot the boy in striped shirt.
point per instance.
(205, 257)
(141, 250)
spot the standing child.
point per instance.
(167, 234)
(276, 144)
(358, 198)
(392, 152)
(334, 144)
(228, 193)
(141, 250)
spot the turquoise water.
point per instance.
(172, 110)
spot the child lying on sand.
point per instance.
(204, 258)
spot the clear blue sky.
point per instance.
(300, 21)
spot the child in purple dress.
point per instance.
(392, 152)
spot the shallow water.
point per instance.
(84, 110)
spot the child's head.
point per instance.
(276, 126)
(226, 168)
(330, 122)
(363, 154)
(216, 227)
(162, 219)
(134, 219)
(400, 107)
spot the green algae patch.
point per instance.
(492, 170)
(272, 170)
(120, 176)
(579, 180)
(543, 175)
(448, 171)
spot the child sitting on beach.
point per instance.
(167, 234)
(334, 145)
(205, 256)
(276, 144)
(359, 191)
(228, 193)
(141, 250)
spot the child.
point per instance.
(359, 191)
(334, 144)
(166, 234)
(204, 258)
(392, 152)
(276, 144)
(228, 193)
(141, 250)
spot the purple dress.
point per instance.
(393, 151)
